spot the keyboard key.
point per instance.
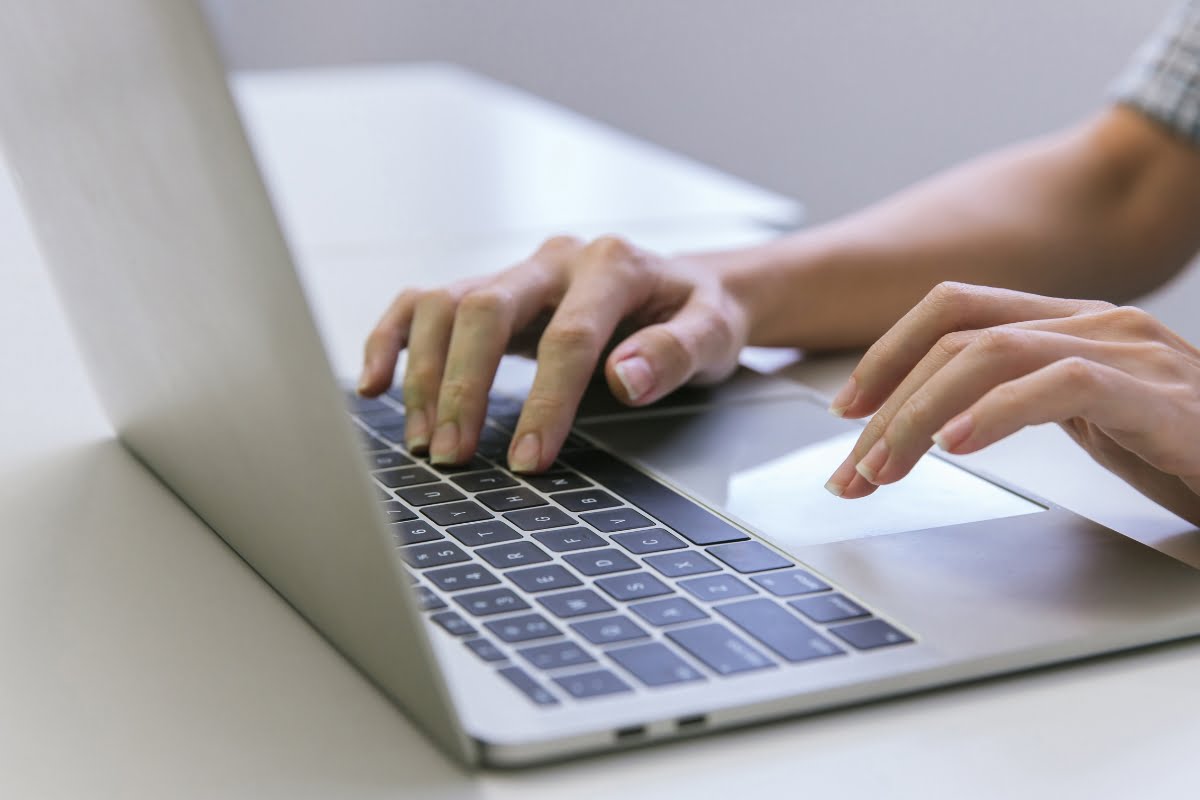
(790, 583)
(575, 604)
(557, 482)
(474, 465)
(537, 519)
(428, 495)
(778, 629)
(600, 562)
(453, 623)
(485, 649)
(652, 541)
(696, 524)
(586, 500)
(359, 404)
(479, 533)
(490, 601)
(556, 655)
(609, 629)
(462, 576)
(372, 444)
(749, 556)
(427, 600)
(405, 476)
(721, 650)
(434, 554)
(633, 586)
(566, 539)
(543, 578)
(483, 481)
(388, 459)
(414, 532)
(381, 416)
(677, 565)
(592, 684)
(522, 628)
(617, 519)
(516, 554)
(397, 511)
(528, 686)
(869, 634)
(829, 608)
(456, 513)
(575, 442)
(668, 611)
(382, 493)
(654, 664)
(391, 433)
(716, 587)
(511, 499)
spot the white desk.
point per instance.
(140, 658)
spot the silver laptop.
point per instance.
(679, 570)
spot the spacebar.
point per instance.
(671, 508)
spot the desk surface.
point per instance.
(142, 658)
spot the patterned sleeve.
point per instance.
(1163, 81)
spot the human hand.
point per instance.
(567, 300)
(969, 365)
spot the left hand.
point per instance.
(969, 365)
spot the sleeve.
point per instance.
(1163, 80)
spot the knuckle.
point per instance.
(951, 344)
(488, 301)
(949, 293)
(455, 393)
(541, 407)
(994, 342)
(1077, 373)
(1134, 320)
(560, 246)
(612, 248)
(419, 378)
(570, 337)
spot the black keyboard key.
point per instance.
(543, 578)
(586, 500)
(567, 539)
(371, 444)
(538, 519)
(453, 623)
(694, 523)
(654, 664)
(716, 587)
(427, 600)
(654, 540)
(485, 649)
(668, 611)
(575, 442)
(778, 629)
(434, 554)
(592, 684)
(869, 634)
(391, 433)
(461, 576)
(359, 404)
(514, 554)
(388, 459)
(480, 533)
(429, 495)
(678, 565)
(381, 416)
(600, 562)
(397, 511)
(483, 481)
(490, 601)
(556, 655)
(557, 482)
(790, 583)
(829, 608)
(633, 586)
(523, 628)
(607, 630)
(528, 686)
(382, 493)
(474, 465)
(617, 519)
(749, 556)
(414, 532)
(511, 499)
(404, 477)
(457, 513)
(575, 604)
(721, 650)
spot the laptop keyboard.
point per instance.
(594, 578)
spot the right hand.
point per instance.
(570, 298)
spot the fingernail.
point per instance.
(636, 376)
(835, 489)
(844, 397)
(526, 454)
(954, 432)
(873, 461)
(444, 448)
(416, 431)
(363, 384)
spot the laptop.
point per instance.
(677, 572)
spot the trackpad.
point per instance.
(765, 464)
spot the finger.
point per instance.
(429, 337)
(610, 279)
(949, 307)
(701, 342)
(384, 344)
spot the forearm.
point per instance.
(1102, 211)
